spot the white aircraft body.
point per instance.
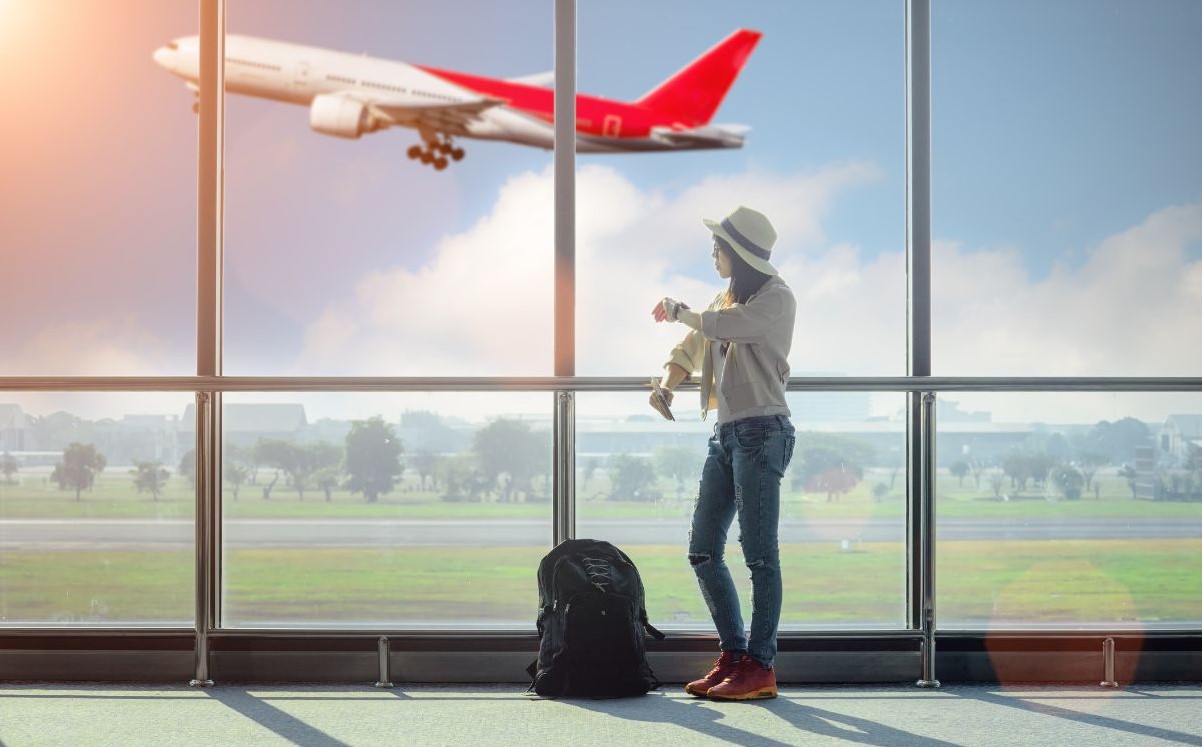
(349, 95)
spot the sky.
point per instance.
(1066, 194)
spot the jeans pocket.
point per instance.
(753, 436)
(790, 442)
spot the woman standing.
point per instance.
(740, 344)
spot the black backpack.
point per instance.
(591, 624)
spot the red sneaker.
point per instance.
(749, 680)
(722, 668)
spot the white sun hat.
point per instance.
(750, 234)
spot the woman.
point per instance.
(740, 344)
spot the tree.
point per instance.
(373, 458)
(996, 481)
(960, 470)
(829, 464)
(187, 466)
(591, 464)
(879, 491)
(326, 479)
(78, 469)
(977, 467)
(510, 447)
(150, 477)
(1089, 464)
(309, 459)
(1068, 481)
(461, 478)
(676, 462)
(426, 464)
(9, 467)
(276, 453)
(1128, 472)
(235, 475)
(1117, 440)
(630, 478)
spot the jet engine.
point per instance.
(341, 116)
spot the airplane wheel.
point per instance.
(457, 154)
(444, 147)
(440, 164)
(427, 157)
(414, 152)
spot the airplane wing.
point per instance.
(451, 117)
(707, 136)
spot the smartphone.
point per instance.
(663, 399)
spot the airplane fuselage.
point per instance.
(400, 94)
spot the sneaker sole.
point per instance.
(696, 693)
(755, 695)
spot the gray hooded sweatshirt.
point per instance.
(760, 333)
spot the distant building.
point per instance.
(14, 429)
(243, 424)
(1180, 442)
(948, 411)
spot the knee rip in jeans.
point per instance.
(757, 563)
(696, 559)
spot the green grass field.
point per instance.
(114, 497)
(980, 584)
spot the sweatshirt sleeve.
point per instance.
(744, 322)
(687, 354)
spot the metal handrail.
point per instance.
(333, 384)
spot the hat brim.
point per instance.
(756, 263)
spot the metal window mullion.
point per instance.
(209, 230)
(920, 432)
(564, 448)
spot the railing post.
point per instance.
(1108, 664)
(204, 544)
(926, 548)
(383, 649)
(564, 468)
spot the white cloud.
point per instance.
(118, 346)
(1132, 308)
(483, 304)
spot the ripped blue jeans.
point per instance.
(742, 474)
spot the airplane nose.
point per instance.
(162, 55)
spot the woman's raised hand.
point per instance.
(659, 313)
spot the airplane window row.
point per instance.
(262, 65)
(384, 86)
(341, 79)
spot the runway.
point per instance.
(25, 534)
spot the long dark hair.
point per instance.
(745, 280)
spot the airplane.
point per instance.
(349, 95)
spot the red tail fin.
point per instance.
(694, 93)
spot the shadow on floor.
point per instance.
(697, 716)
(1047, 709)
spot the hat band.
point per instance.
(747, 243)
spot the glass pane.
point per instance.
(96, 510)
(1069, 510)
(345, 256)
(1066, 188)
(810, 132)
(843, 512)
(362, 510)
(97, 191)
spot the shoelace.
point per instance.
(718, 668)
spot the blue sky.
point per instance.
(1062, 133)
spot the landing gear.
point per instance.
(436, 151)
